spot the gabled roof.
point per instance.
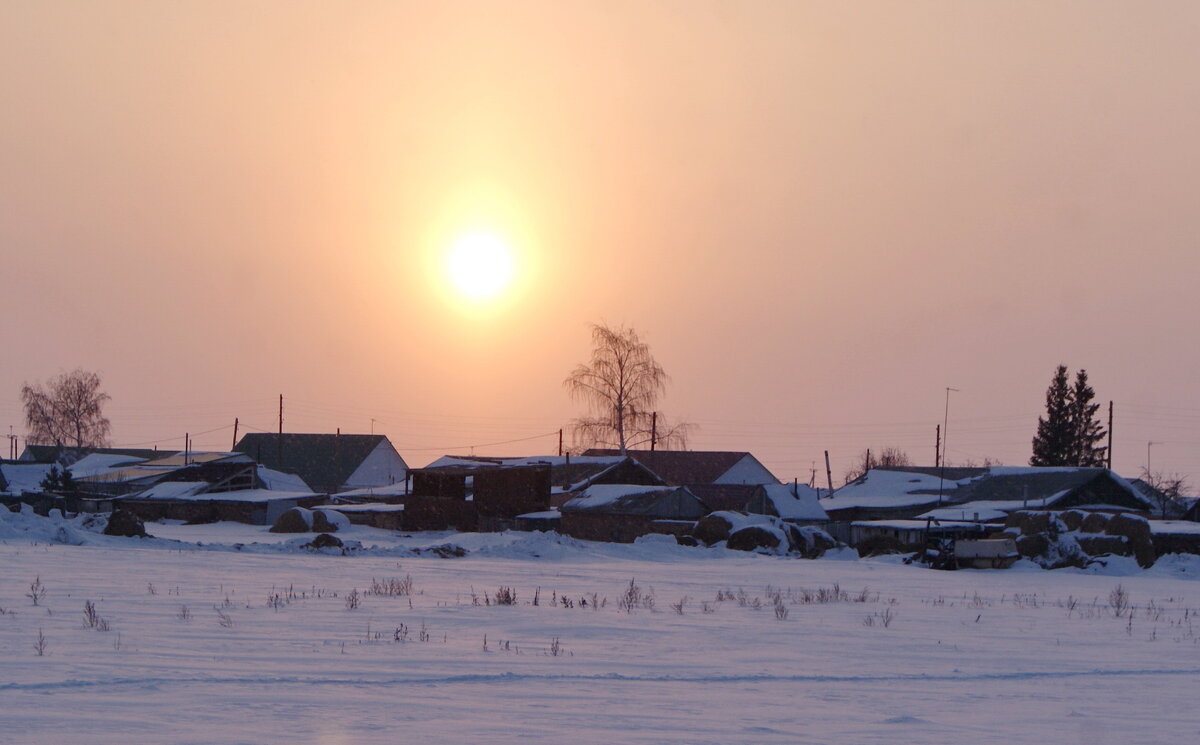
(727, 497)
(568, 473)
(1042, 486)
(325, 462)
(625, 499)
(67, 455)
(886, 488)
(894, 488)
(17, 477)
(682, 467)
(793, 501)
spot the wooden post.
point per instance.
(1110, 420)
(560, 443)
(279, 445)
(235, 429)
(828, 473)
(653, 430)
(937, 448)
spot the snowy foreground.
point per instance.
(217, 644)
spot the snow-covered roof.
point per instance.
(941, 525)
(887, 488)
(394, 490)
(280, 481)
(552, 515)
(795, 502)
(986, 510)
(241, 495)
(915, 486)
(178, 460)
(1174, 527)
(464, 461)
(172, 490)
(101, 464)
(24, 477)
(603, 495)
(364, 507)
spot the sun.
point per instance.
(480, 265)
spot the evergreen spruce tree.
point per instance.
(1053, 443)
(59, 482)
(1086, 430)
(1069, 434)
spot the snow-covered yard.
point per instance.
(215, 644)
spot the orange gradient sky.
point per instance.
(818, 214)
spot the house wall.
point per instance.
(1102, 491)
(597, 526)
(438, 513)
(747, 471)
(504, 493)
(203, 511)
(382, 467)
(433, 483)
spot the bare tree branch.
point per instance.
(68, 411)
(621, 386)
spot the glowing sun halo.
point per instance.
(480, 266)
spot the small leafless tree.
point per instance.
(886, 458)
(621, 386)
(1167, 490)
(68, 410)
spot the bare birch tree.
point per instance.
(67, 411)
(621, 386)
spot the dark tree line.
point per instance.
(1069, 434)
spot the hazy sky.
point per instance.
(819, 214)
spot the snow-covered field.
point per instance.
(216, 644)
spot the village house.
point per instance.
(328, 463)
(901, 501)
(622, 512)
(191, 486)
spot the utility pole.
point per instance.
(560, 442)
(945, 437)
(653, 430)
(829, 473)
(279, 445)
(1110, 421)
(937, 447)
(187, 446)
(235, 429)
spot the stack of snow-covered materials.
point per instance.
(760, 533)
